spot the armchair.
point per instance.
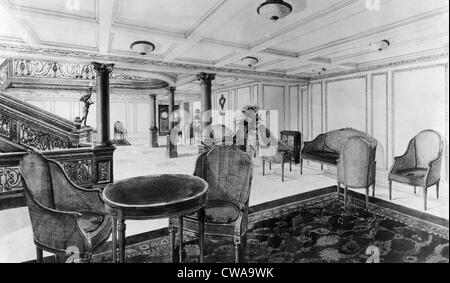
(229, 173)
(356, 166)
(63, 215)
(420, 166)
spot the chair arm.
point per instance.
(314, 145)
(401, 163)
(56, 229)
(75, 197)
(434, 171)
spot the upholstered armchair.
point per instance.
(64, 217)
(356, 166)
(420, 166)
(229, 172)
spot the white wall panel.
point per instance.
(347, 104)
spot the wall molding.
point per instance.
(372, 78)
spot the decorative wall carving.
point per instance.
(10, 179)
(51, 69)
(46, 69)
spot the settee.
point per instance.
(326, 148)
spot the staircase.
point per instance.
(25, 128)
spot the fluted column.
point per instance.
(206, 103)
(172, 137)
(154, 129)
(103, 115)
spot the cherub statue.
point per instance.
(87, 103)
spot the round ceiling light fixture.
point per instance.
(142, 47)
(274, 9)
(380, 45)
(250, 61)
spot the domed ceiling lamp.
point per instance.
(380, 45)
(250, 61)
(274, 9)
(142, 47)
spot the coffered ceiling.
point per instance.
(190, 36)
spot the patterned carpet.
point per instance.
(317, 230)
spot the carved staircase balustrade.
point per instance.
(38, 129)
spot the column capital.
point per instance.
(206, 78)
(153, 96)
(103, 68)
(171, 89)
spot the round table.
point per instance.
(153, 197)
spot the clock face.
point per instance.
(164, 115)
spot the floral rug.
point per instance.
(315, 230)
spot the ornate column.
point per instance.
(206, 102)
(103, 116)
(172, 147)
(154, 129)
(103, 150)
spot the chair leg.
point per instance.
(172, 237)
(238, 250)
(390, 190)
(180, 224)
(290, 166)
(437, 190)
(242, 249)
(282, 172)
(415, 190)
(345, 197)
(264, 167)
(373, 190)
(270, 165)
(39, 255)
(367, 198)
(301, 166)
(321, 167)
(425, 192)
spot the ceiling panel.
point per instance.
(391, 11)
(121, 43)
(11, 30)
(248, 27)
(64, 34)
(205, 53)
(175, 15)
(81, 8)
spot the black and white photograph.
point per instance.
(242, 133)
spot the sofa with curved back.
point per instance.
(326, 147)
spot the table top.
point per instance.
(156, 195)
